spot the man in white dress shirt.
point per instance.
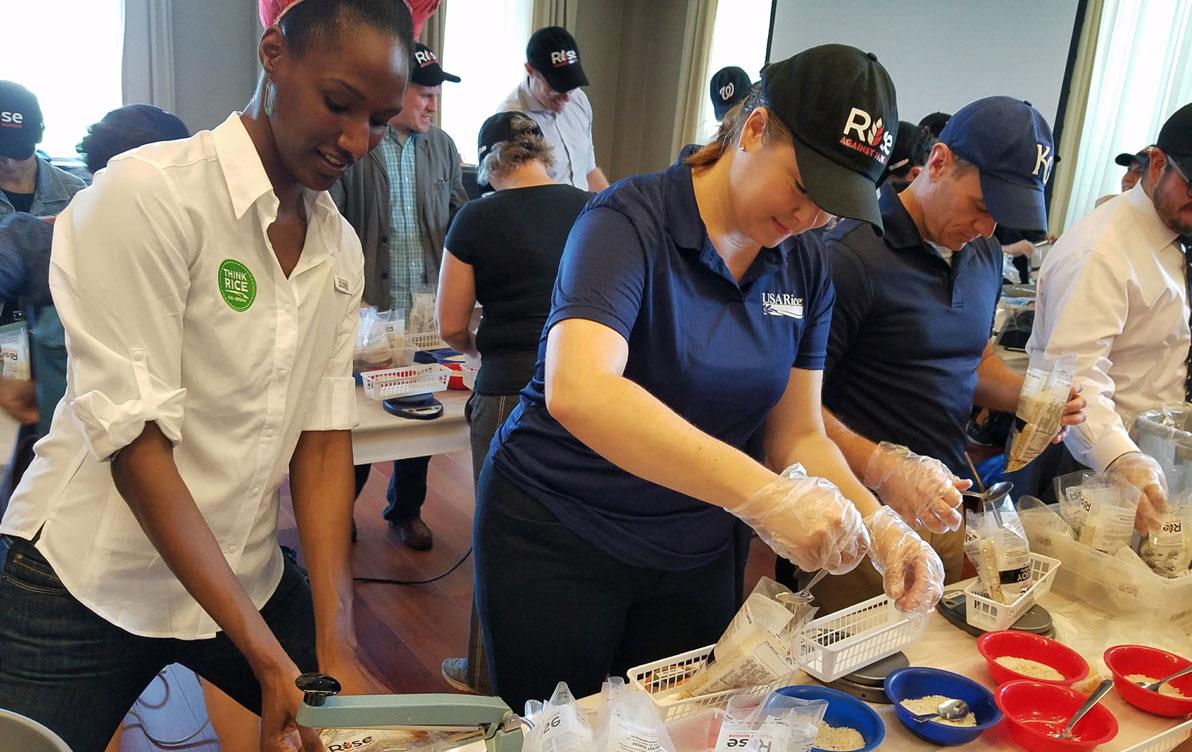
(210, 294)
(1114, 291)
(551, 94)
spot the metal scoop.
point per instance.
(1154, 686)
(949, 710)
(993, 494)
(1094, 698)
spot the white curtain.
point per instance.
(1142, 72)
(148, 71)
(694, 74)
(555, 13)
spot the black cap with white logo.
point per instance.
(840, 105)
(20, 121)
(552, 51)
(729, 86)
(425, 69)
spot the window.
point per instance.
(68, 53)
(485, 45)
(738, 38)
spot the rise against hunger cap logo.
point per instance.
(563, 58)
(424, 57)
(868, 136)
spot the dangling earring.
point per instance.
(270, 97)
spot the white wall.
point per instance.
(943, 54)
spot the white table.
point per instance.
(380, 436)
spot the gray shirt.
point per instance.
(568, 132)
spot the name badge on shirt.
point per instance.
(341, 284)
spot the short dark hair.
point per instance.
(127, 128)
(935, 122)
(311, 20)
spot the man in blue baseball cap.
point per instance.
(909, 351)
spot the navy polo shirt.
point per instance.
(718, 353)
(908, 332)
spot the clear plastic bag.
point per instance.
(557, 725)
(422, 312)
(14, 348)
(760, 646)
(1040, 409)
(996, 543)
(1108, 514)
(395, 740)
(630, 722)
(1168, 552)
(1067, 493)
(776, 724)
(373, 351)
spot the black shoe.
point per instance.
(414, 533)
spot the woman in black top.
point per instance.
(502, 250)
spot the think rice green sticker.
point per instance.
(237, 285)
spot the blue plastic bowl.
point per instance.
(843, 710)
(914, 682)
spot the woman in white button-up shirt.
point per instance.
(209, 291)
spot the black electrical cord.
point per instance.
(436, 578)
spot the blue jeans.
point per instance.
(71, 670)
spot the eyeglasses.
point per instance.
(1176, 166)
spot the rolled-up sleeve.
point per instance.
(119, 275)
(334, 405)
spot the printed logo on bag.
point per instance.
(1043, 161)
(726, 91)
(237, 286)
(563, 58)
(869, 137)
(352, 744)
(424, 58)
(782, 304)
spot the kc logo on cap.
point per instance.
(1043, 162)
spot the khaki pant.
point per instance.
(834, 593)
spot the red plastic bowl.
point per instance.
(1124, 660)
(994, 645)
(1034, 710)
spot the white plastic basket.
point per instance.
(661, 680)
(982, 612)
(396, 382)
(1164, 742)
(426, 341)
(839, 643)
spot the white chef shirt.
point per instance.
(176, 311)
(1112, 290)
(568, 132)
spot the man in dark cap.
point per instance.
(911, 147)
(28, 183)
(1135, 165)
(1114, 290)
(551, 94)
(400, 200)
(728, 86)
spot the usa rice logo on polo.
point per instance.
(237, 285)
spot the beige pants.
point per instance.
(834, 593)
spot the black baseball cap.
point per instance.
(1010, 144)
(1126, 159)
(499, 128)
(935, 122)
(552, 51)
(21, 124)
(425, 70)
(729, 86)
(911, 147)
(1175, 137)
(839, 104)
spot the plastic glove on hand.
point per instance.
(807, 521)
(921, 489)
(911, 571)
(1144, 473)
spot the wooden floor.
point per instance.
(404, 632)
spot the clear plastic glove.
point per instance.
(807, 521)
(911, 571)
(1144, 473)
(921, 489)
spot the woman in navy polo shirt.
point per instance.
(682, 325)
